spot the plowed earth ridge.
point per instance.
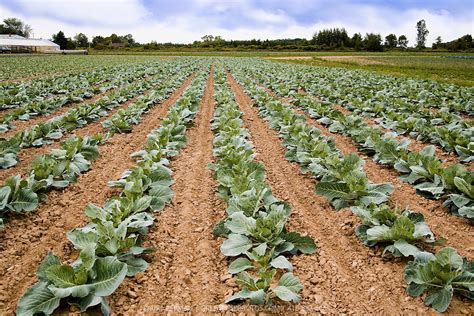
(27, 238)
(343, 275)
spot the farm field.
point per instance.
(32, 66)
(142, 184)
(443, 68)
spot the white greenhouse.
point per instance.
(20, 44)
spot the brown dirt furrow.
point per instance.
(467, 117)
(456, 230)
(27, 155)
(186, 270)
(365, 60)
(343, 276)
(28, 237)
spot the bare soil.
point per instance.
(187, 269)
(27, 238)
(343, 275)
(443, 224)
(360, 60)
(27, 155)
(291, 58)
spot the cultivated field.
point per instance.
(133, 184)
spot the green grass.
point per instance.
(438, 68)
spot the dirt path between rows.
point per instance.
(343, 275)
(457, 230)
(27, 155)
(448, 158)
(27, 238)
(187, 267)
(405, 194)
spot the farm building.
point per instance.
(20, 44)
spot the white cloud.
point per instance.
(104, 12)
(268, 17)
(129, 16)
(384, 21)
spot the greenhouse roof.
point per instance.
(15, 40)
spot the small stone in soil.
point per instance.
(132, 294)
(225, 277)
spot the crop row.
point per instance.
(49, 131)
(16, 67)
(18, 94)
(374, 89)
(392, 109)
(29, 107)
(341, 179)
(59, 168)
(453, 184)
(255, 225)
(111, 244)
(49, 86)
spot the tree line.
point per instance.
(326, 39)
(80, 40)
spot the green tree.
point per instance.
(114, 38)
(462, 43)
(207, 38)
(332, 38)
(438, 43)
(357, 41)
(421, 34)
(402, 41)
(128, 39)
(81, 40)
(70, 44)
(391, 41)
(98, 41)
(15, 26)
(373, 42)
(60, 39)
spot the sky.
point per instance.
(184, 21)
